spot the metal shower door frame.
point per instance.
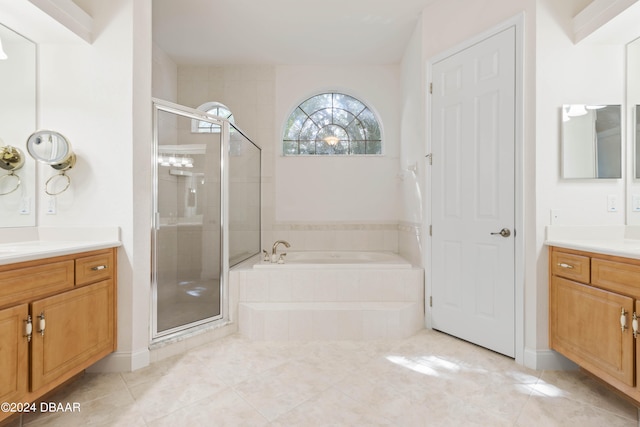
(223, 317)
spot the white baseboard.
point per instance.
(547, 360)
(122, 362)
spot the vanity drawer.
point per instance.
(93, 268)
(571, 266)
(615, 276)
(23, 284)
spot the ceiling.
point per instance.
(345, 32)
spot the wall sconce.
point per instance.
(53, 149)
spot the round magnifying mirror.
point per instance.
(11, 158)
(51, 148)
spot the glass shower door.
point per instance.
(188, 262)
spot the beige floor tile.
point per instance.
(331, 408)
(427, 380)
(222, 409)
(577, 385)
(173, 391)
(561, 411)
(116, 409)
(281, 389)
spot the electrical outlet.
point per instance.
(612, 203)
(51, 206)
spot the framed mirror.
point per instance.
(17, 122)
(591, 141)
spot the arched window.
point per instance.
(215, 108)
(332, 124)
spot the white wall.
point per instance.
(585, 73)
(98, 96)
(413, 210)
(347, 189)
(556, 72)
(344, 203)
(315, 203)
(164, 76)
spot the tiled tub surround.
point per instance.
(334, 302)
(336, 236)
(401, 237)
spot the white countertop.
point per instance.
(28, 251)
(50, 242)
(607, 240)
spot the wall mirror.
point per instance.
(591, 141)
(633, 99)
(636, 138)
(17, 122)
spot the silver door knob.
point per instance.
(505, 232)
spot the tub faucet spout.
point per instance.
(275, 247)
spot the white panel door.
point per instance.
(473, 184)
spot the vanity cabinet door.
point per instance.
(79, 329)
(14, 354)
(585, 326)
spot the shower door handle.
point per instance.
(505, 232)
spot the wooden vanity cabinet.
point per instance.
(71, 303)
(593, 300)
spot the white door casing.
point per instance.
(473, 134)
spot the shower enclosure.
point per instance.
(206, 200)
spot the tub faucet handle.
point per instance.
(281, 258)
(265, 255)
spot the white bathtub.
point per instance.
(323, 295)
(337, 259)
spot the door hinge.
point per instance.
(431, 301)
(430, 230)
(431, 88)
(430, 157)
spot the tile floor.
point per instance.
(429, 379)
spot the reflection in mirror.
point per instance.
(11, 159)
(637, 140)
(591, 141)
(17, 121)
(632, 96)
